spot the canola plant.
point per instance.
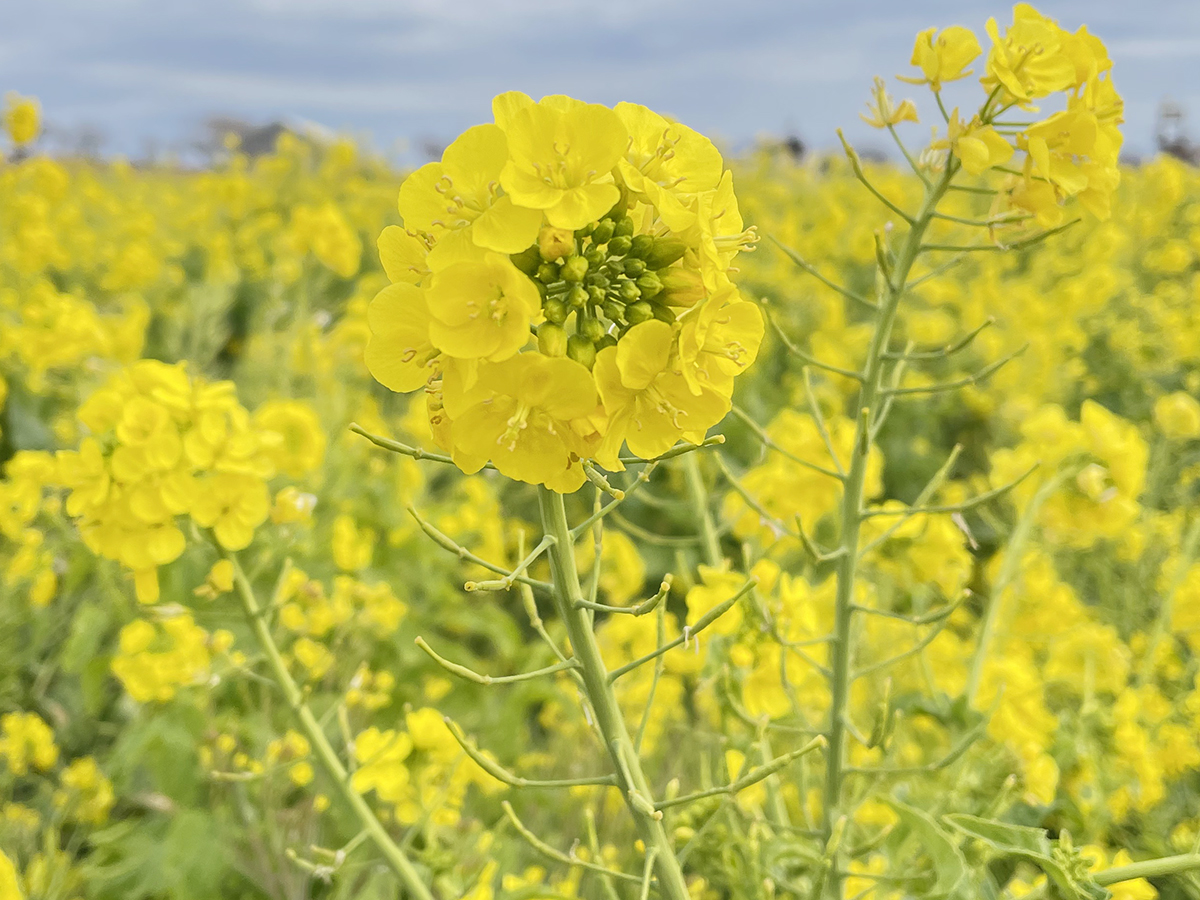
(626, 522)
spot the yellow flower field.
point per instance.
(588, 515)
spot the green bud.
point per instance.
(624, 227)
(604, 231)
(607, 341)
(585, 230)
(634, 267)
(664, 313)
(650, 285)
(547, 273)
(620, 245)
(541, 289)
(527, 261)
(642, 245)
(581, 350)
(629, 292)
(552, 339)
(637, 313)
(613, 310)
(577, 297)
(615, 267)
(592, 329)
(665, 252)
(594, 257)
(555, 310)
(596, 293)
(574, 268)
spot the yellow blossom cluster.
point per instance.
(161, 445)
(561, 288)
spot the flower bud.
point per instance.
(594, 257)
(577, 297)
(597, 293)
(637, 313)
(552, 339)
(555, 243)
(664, 313)
(574, 268)
(683, 287)
(527, 261)
(634, 267)
(629, 292)
(620, 245)
(607, 341)
(604, 231)
(624, 227)
(581, 350)
(613, 310)
(650, 285)
(592, 329)
(555, 310)
(642, 244)
(547, 273)
(665, 251)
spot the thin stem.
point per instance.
(699, 495)
(892, 290)
(396, 859)
(635, 787)
(811, 270)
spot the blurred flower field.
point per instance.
(222, 538)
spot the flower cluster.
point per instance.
(1072, 153)
(561, 288)
(162, 445)
(156, 659)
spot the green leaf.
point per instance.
(1031, 844)
(949, 865)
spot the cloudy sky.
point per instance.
(151, 71)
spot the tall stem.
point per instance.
(699, 495)
(851, 515)
(568, 598)
(396, 859)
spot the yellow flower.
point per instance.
(301, 445)
(1030, 60)
(353, 547)
(482, 310)
(561, 156)
(22, 118)
(381, 756)
(1177, 416)
(456, 200)
(10, 887)
(884, 112)
(945, 57)
(649, 402)
(232, 506)
(403, 255)
(400, 354)
(26, 742)
(521, 416)
(719, 341)
(977, 146)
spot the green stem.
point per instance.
(699, 496)
(634, 785)
(852, 517)
(326, 755)
(1150, 868)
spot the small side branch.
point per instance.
(557, 855)
(965, 506)
(640, 479)
(754, 776)
(678, 450)
(949, 350)
(808, 357)
(769, 442)
(982, 375)
(503, 584)
(445, 541)
(404, 449)
(689, 631)
(500, 773)
(471, 675)
(646, 606)
(811, 270)
(856, 167)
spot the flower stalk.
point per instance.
(597, 685)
